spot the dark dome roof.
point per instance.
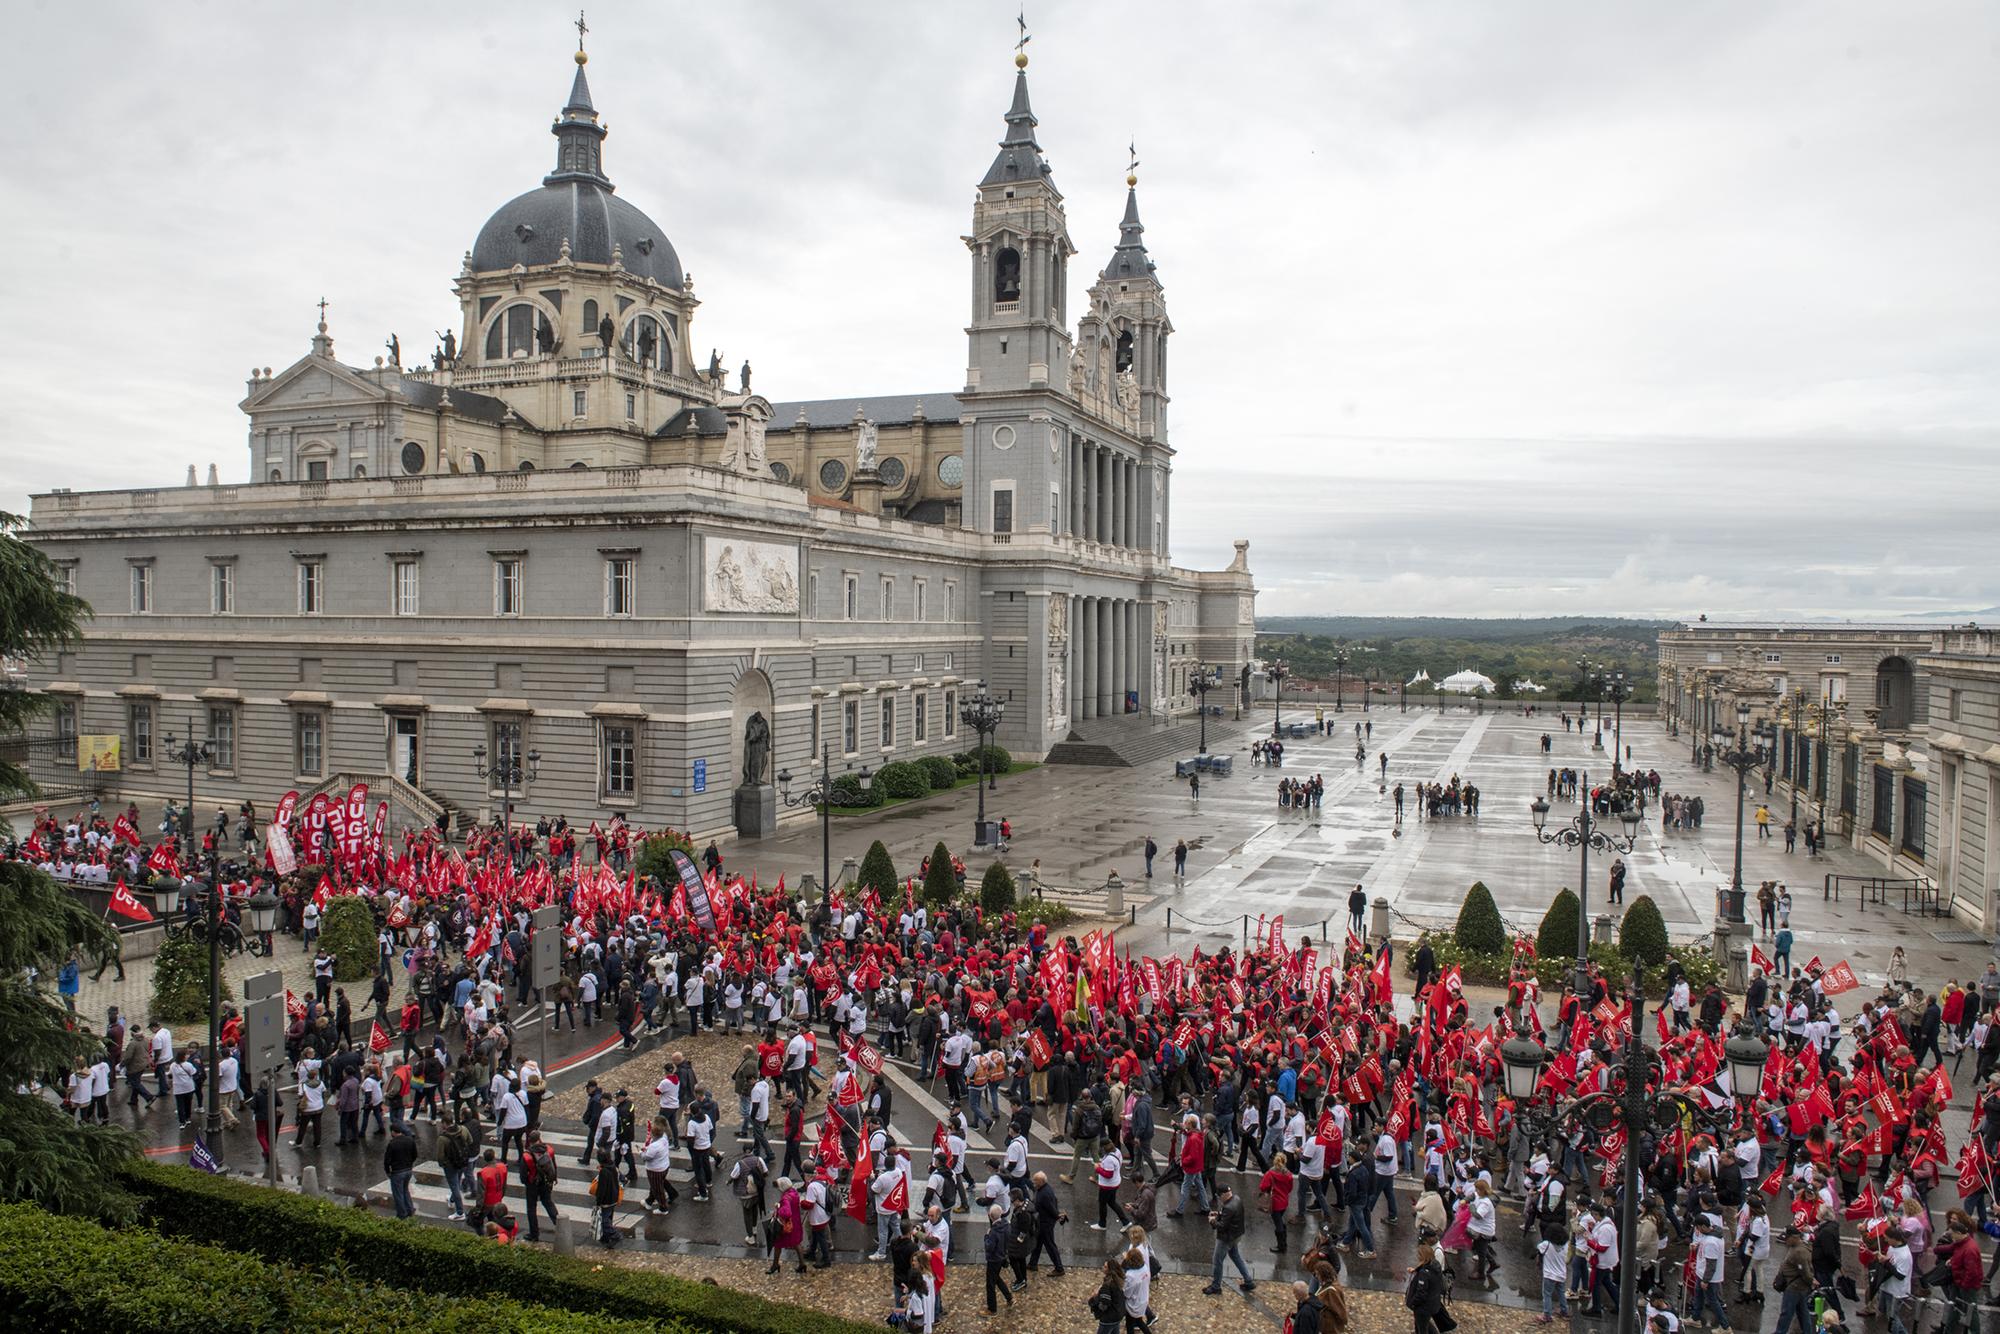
(530, 228)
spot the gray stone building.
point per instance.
(569, 534)
(1961, 670)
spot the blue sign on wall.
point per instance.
(701, 775)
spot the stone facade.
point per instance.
(1961, 670)
(569, 535)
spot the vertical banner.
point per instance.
(696, 889)
(317, 823)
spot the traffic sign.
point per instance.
(545, 946)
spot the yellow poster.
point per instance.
(97, 754)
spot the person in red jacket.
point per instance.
(1276, 1184)
(492, 1183)
(1194, 1161)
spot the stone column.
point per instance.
(1104, 496)
(1123, 663)
(1080, 636)
(1073, 483)
(1105, 660)
(1075, 650)
(1087, 491)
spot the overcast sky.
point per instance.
(1481, 308)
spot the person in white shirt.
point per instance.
(657, 1158)
(1555, 1275)
(1709, 1253)
(1483, 1223)
(1604, 1264)
(1753, 1244)
(161, 1046)
(181, 1079)
(100, 1090)
(819, 1247)
(1386, 1156)
(1110, 1176)
(1895, 1290)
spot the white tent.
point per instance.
(1467, 683)
(1526, 686)
(1420, 678)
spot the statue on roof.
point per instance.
(395, 352)
(545, 335)
(744, 386)
(450, 341)
(864, 446)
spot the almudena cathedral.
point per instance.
(575, 533)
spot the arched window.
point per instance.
(590, 324)
(1007, 275)
(527, 465)
(645, 341)
(512, 333)
(1125, 350)
(478, 462)
(578, 466)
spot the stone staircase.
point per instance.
(1134, 740)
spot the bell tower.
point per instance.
(1020, 250)
(1128, 317)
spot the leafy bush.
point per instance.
(848, 792)
(1557, 936)
(452, 1263)
(940, 881)
(940, 770)
(1696, 961)
(347, 931)
(1643, 933)
(1480, 930)
(1483, 969)
(1052, 913)
(998, 761)
(996, 890)
(180, 980)
(59, 1273)
(655, 854)
(878, 872)
(902, 780)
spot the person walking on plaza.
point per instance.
(1048, 1215)
(998, 1232)
(1763, 823)
(1357, 904)
(1180, 859)
(1152, 851)
(399, 1160)
(1227, 1220)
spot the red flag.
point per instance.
(122, 830)
(294, 1007)
(1813, 964)
(1839, 978)
(1865, 1205)
(898, 1199)
(125, 905)
(162, 861)
(857, 1185)
(868, 1056)
(378, 1037)
(1661, 1015)
(1379, 975)
(1973, 1169)
(1039, 1050)
(1773, 1183)
(1758, 961)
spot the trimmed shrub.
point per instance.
(848, 792)
(445, 1262)
(940, 881)
(996, 890)
(1642, 934)
(1480, 930)
(1557, 937)
(998, 760)
(901, 780)
(347, 931)
(1050, 912)
(62, 1273)
(1446, 951)
(878, 872)
(940, 770)
(654, 855)
(180, 980)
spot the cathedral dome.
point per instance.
(530, 230)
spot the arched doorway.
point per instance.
(1895, 693)
(753, 736)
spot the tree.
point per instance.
(1557, 937)
(996, 890)
(878, 872)
(347, 932)
(655, 855)
(1643, 933)
(45, 1156)
(940, 881)
(180, 981)
(1480, 930)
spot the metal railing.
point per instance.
(1920, 893)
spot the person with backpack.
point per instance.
(1085, 1127)
(605, 1194)
(539, 1174)
(1020, 1237)
(1423, 1295)
(1107, 1304)
(454, 1150)
(1227, 1220)
(746, 1182)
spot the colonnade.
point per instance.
(1104, 496)
(1110, 643)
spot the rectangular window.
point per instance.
(140, 726)
(1003, 509)
(507, 587)
(888, 599)
(852, 597)
(222, 589)
(850, 726)
(920, 721)
(1833, 689)
(1914, 796)
(312, 588)
(920, 608)
(221, 737)
(580, 403)
(817, 735)
(888, 721)
(1055, 510)
(309, 743)
(1882, 820)
(618, 586)
(316, 470)
(950, 600)
(1774, 657)
(1849, 776)
(405, 588)
(142, 588)
(631, 407)
(66, 731)
(1952, 703)
(1833, 657)
(504, 742)
(621, 760)
(66, 577)
(950, 714)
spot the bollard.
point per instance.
(1114, 896)
(1601, 928)
(808, 884)
(309, 1180)
(565, 1240)
(1133, 912)
(1170, 921)
(849, 869)
(1378, 924)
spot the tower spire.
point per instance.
(579, 136)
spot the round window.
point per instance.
(833, 475)
(780, 472)
(1003, 437)
(892, 472)
(413, 457)
(951, 469)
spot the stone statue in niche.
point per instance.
(756, 749)
(1058, 692)
(1159, 620)
(1058, 619)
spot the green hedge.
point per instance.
(1557, 936)
(902, 780)
(996, 890)
(1642, 934)
(655, 855)
(1482, 969)
(68, 1274)
(998, 760)
(447, 1262)
(347, 931)
(180, 980)
(940, 880)
(1480, 930)
(1052, 913)
(848, 792)
(940, 770)
(878, 871)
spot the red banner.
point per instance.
(1039, 1050)
(378, 1038)
(1839, 978)
(122, 829)
(125, 905)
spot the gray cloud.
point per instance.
(1481, 307)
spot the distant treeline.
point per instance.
(1543, 650)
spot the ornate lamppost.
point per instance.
(982, 713)
(1200, 683)
(190, 754)
(1741, 752)
(1583, 834)
(507, 767)
(1619, 689)
(1340, 661)
(1278, 672)
(819, 794)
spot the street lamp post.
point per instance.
(1618, 688)
(982, 713)
(189, 754)
(1580, 833)
(1639, 1105)
(1584, 668)
(1340, 680)
(1278, 674)
(507, 768)
(1743, 756)
(1199, 685)
(819, 794)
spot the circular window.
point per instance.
(780, 472)
(413, 456)
(892, 472)
(1055, 443)
(833, 475)
(478, 462)
(951, 469)
(1003, 437)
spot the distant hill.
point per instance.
(1394, 649)
(1506, 628)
